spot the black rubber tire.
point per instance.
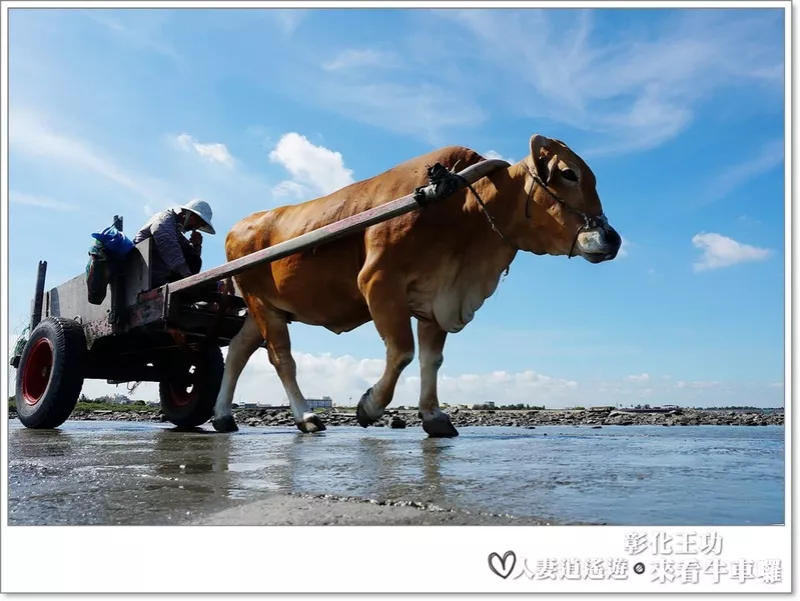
(46, 401)
(198, 408)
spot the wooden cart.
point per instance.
(171, 334)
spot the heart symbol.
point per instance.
(503, 572)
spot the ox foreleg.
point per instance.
(241, 348)
(388, 307)
(431, 346)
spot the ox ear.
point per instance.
(541, 153)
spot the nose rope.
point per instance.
(589, 221)
(438, 175)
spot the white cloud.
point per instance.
(748, 220)
(345, 378)
(776, 385)
(137, 30)
(357, 59)
(42, 202)
(635, 90)
(698, 384)
(493, 154)
(769, 157)
(316, 170)
(291, 188)
(623, 249)
(288, 19)
(31, 135)
(425, 110)
(721, 251)
(212, 151)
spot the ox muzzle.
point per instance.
(597, 241)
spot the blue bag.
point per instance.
(114, 241)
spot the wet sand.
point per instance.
(94, 472)
(331, 510)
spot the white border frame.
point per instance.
(283, 559)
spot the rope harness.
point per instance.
(444, 182)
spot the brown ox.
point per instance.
(438, 264)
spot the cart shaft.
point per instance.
(325, 234)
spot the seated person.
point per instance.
(174, 256)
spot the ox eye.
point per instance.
(570, 175)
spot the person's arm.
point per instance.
(167, 240)
(192, 250)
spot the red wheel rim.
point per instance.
(181, 395)
(37, 370)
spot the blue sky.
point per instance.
(680, 113)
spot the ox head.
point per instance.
(563, 210)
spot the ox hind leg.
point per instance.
(388, 307)
(431, 345)
(241, 348)
(263, 324)
(276, 332)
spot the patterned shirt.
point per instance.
(171, 247)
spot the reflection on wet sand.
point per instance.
(138, 473)
(37, 444)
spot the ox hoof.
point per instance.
(311, 423)
(225, 423)
(440, 427)
(362, 415)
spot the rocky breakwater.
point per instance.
(394, 418)
(397, 418)
(145, 415)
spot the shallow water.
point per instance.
(139, 473)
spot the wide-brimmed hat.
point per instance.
(203, 211)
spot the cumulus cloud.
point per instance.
(315, 170)
(721, 251)
(493, 154)
(214, 152)
(345, 378)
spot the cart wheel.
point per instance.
(50, 374)
(188, 405)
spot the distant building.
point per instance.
(250, 405)
(485, 405)
(324, 403)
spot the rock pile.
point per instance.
(394, 418)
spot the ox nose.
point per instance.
(614, 242)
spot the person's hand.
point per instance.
(196, 239)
